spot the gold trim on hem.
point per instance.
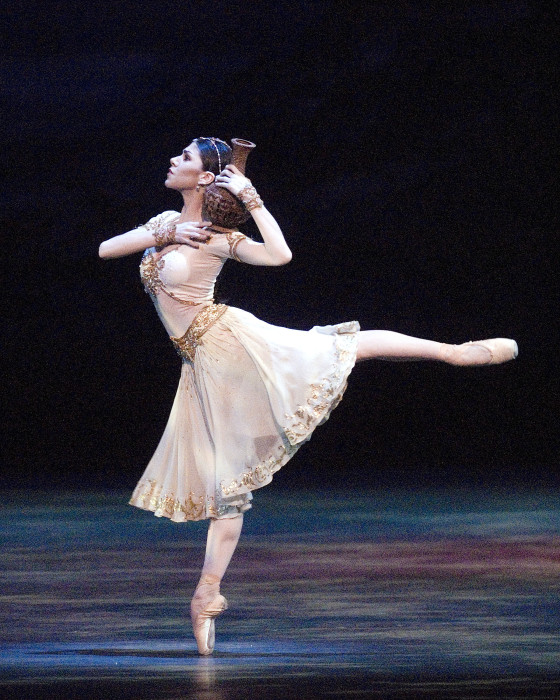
(261, 475)
(327, 394)
(323, 399)
(148, 496)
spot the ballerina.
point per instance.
(250, 394)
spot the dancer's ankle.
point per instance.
(209, 579)
(206, 589)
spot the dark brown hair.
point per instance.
(209, 149)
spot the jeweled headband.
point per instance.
(214, 139)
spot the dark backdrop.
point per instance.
(406, 150)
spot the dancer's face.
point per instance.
(186, 171)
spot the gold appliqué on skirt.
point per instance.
(166, 505)
(326, 395)
(261, 474)
(322, 399)
(149, 496)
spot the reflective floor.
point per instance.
(441, 594)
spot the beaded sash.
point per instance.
(186, 345)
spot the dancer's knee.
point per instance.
(227, 528)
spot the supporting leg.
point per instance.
(388, 345)
(223, 536)
(207, 602)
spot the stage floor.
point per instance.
(372, 594)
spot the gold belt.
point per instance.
(186, 345)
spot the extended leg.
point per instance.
(207, 602)
(388, 345)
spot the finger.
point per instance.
(191, 237)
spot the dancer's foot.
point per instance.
(480, 352)
(206, 605)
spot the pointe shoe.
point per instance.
(204, 613)
(500, 350)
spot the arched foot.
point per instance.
(494, 351)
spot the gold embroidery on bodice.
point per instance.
(149, 273)
(150, 267)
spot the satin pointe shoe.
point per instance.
(206, 605)
(499, 350)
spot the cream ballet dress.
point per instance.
(250, 394)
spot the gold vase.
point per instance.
(220, 206)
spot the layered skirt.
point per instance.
(250, 394)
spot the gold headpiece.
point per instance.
(213, 139)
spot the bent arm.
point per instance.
(140, 238)
(274, 250)
(133, 241)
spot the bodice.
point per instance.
(181, 279)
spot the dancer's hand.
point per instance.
(192, 233)
(232, 180)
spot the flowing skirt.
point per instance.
(251, 397)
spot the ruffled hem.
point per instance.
(261, 474)
(322, 399)
(325, 396)
(149, 495)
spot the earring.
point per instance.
(198, 188)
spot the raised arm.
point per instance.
(274, 250)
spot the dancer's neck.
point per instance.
(192, 206)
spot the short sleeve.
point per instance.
(224, 245)
(156, 221)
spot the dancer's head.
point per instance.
(198, 164)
